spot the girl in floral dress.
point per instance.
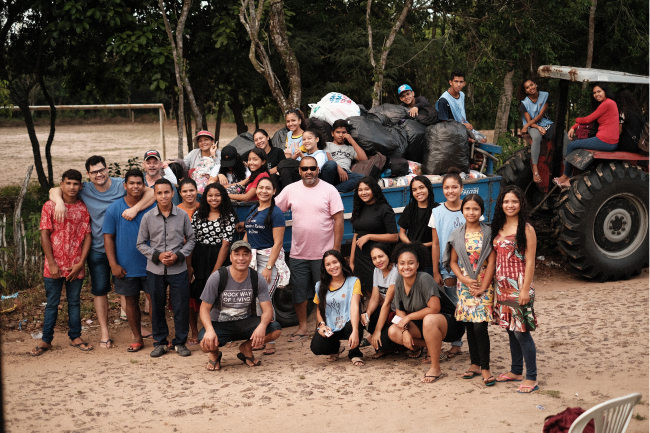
(515, 243)
(470, 256)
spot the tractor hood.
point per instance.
(590, 75)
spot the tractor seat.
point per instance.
(582, 158)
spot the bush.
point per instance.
(509, 145)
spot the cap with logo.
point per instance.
(240, 244)
(403, 88)
(152, 154)
(228, 156)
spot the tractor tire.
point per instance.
(516, 170)
(604, 222)
(285, 312)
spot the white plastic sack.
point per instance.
(334, 106)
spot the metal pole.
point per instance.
(560, 122)
(161, 111)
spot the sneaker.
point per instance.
(159, 350)
(183, 350)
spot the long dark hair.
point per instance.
(500, 217)
(626, 103)
(358, 204)
(225, 207)
(453, 173)
(269, 217)
(301, 116)
(263, 168)
(238, 170)
(606, 89)
(321, 140)
(412, 206)
(326, 279)
(521, 90)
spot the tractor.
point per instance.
(602, 219)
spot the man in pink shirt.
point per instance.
(317, 214)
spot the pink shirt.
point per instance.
(312, 209)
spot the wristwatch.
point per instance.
(269, 267)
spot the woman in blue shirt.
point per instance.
(265, 233)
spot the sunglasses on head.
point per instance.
(310, 168)
(292, 110)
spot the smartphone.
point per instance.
(328, 333)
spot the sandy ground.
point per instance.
(592, 346)
(73, 144)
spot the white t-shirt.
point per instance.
(382, 283)
(343, 154)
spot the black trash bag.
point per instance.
(415, 136)
(394, 113)
(243, 143)
(280, 138)
(373, 137)
(427, 116)
(446, 146)
(322, 126)
(379, 118)
(363, 110)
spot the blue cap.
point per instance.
(403, 88)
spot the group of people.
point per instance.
(170, 230)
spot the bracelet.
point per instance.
(405, 329)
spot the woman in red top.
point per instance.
(606, 138)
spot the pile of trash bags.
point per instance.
(388, 129)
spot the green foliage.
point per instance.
(509, 145)
(115, 170)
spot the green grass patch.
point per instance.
(551, 393)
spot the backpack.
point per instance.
(372, 167)
(587, 131)
(223, 281)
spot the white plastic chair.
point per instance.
(612, 416)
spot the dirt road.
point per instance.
(592, 345)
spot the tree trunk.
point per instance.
(50, 137)
(188, 129)
(200, 102)
(29, 123)
(378, 75)
(235, 106)
(257, 120)
(503, 111)
(251, 17)
(590, 40)
(217, 126)
(180, 119)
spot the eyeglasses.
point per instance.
(310, 168)
(96, 172)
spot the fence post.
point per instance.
(17, 226)
(3, 242)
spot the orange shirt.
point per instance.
(189, 212)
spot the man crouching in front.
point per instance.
(228, 310)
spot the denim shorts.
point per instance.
(304, 276)
(239, 329)
(100, 273)
(130, 286)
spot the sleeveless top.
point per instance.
(337, 307)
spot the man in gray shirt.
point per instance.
(171, 238)
(228, 310)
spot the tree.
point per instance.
(251, 18)
(378, 75)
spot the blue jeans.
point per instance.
(53, 290)
(330, 174)
(593, 143)
(523, 347)
(179, 296)
(100, 273)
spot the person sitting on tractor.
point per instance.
(630, 121)
(451, 105)
(606, 139)
(410, 101)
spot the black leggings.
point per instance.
(478, 341)
(329, 346)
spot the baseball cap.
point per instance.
(228, 156)
(240, 244)
(152, 153)
(403, 88)
(202, 133)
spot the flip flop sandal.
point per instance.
(412, 353)
(192, 341)
(452, 355)
(489, 382)
(148, 337)
(40, 351)
(292, 336)
(357, 359)
(436, 378)
(243, 358)
(379, 354)
(269, 350)
(537, 176)
(335, 356)
(508, 379)
(78, 346)
(255, 349)
(108, 344)
(562, 187)
(214, 363)
(473, 374)
(135, 347)
(532, 389)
